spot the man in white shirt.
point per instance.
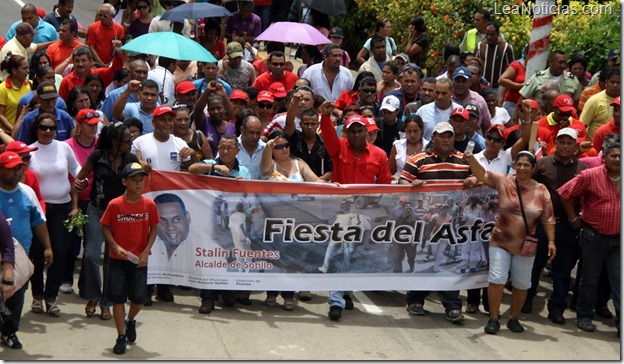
(439, 110)
(162, 74)
(328, 78)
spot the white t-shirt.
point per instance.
(502, 116)
(51, 163)
(162, 156)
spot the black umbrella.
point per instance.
(329, 7)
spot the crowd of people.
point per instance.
(83, 121)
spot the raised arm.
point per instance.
(266, 163)
(476, 168)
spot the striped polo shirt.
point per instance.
(430, 167)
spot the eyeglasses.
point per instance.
(282, 146)
(368, 90)
(26, 158)
(278, 64)
(495, 139)
(47, 127)
(224, 148)
(265, 106)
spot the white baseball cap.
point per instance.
(390, 103)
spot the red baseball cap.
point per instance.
(19, 147)
(10, 160)
(533, 104)
(41, 12)
(564, 103)
(497, 130)
(239, 95)
(185, 87)
(88, 116)
(371, 125)
(162, 110)
(461, 112)
(616, 101)
(356, 119)
(278, 90)
(265, 96)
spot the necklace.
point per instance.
(615, 179)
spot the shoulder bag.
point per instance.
(529, 247)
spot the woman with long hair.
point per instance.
(140, 25)
(511, 81)
(78, 99)
(417, 41)
(12, 89)
(413, 143)
(95, 86)
(111, 154)
(309, 55)
(52, 162)
(195, 139)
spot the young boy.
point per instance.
(129, 227)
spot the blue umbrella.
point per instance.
(169, 44)
(195, 11)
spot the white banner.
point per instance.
(221, 233)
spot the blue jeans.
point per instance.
(15, 304)
(510, 107)
(336, 298)
(598, 249)
(566, 241)
(90, 277)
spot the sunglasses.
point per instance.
(265, 106)
(177, 107)
(90, 115)
(278, 64)
(495, 139)
(282, 146)
(47, 127)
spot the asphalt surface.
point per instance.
(379, 328)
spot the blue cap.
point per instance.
(462, 72)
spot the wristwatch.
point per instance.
(7, 282)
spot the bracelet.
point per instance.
(573, 220)
(527, 121)
(7, 282)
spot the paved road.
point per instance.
(378, 328)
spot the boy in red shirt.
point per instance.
(129, 228)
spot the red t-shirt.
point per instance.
(130, 223)
(266, 79)
(603, 131)
(554, 129)
(514, 95)
(346, 97)
(31, 180)
(72, 79)
(102, 38)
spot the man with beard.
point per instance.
(328, 78)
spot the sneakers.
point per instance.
(335, 313)
(66, 288)
(586, 325)
(454, 316)
(206, 307)
(348, 302)
(305, 295)
(514, 325)
(492, 327)
(120, 345)
(131, 334)
(416, 309)
(12, 341)
(322, 269)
